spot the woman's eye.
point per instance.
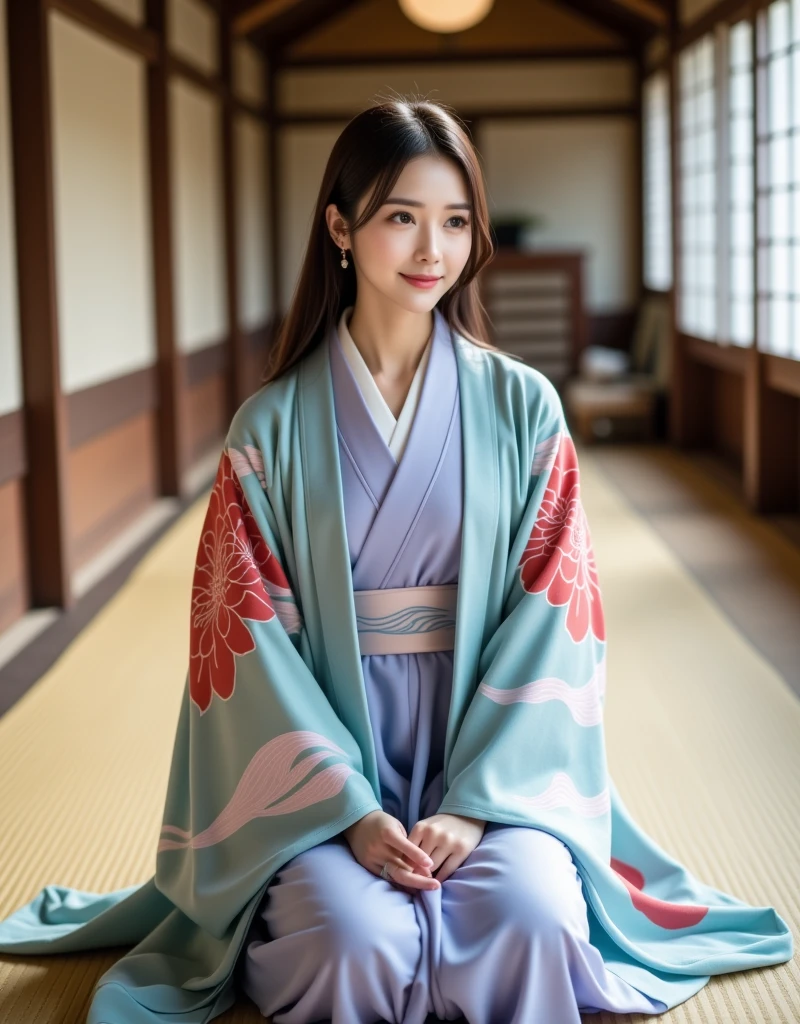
(404, 213)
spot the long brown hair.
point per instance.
(374, 147)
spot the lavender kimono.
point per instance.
(370, 635)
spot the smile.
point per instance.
(421, 282)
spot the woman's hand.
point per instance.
(377, 838)
(448, 838)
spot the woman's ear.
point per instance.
(337, 226)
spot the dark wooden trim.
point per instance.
(491, 113)
(242, 106)
(780, 374)
(178, 66)
(724, 10)
(205, 362)
(100, 19)
(273, 26)
(101, 532)
(13, 458)
(350, 60)
(731, 358)
(771, 464)
(46, 482)
(609, 15)
(172, 385)
(97, 409)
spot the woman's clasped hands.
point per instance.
(440, 844)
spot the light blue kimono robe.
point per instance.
(281, 742)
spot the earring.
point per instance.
(344, 258)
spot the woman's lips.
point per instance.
(421, 282)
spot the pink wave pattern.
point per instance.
(584, 702)
(268, 777)
(562, 793)
(248, 461)
(544, 454)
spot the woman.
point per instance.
(388, 796)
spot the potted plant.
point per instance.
(507, 228)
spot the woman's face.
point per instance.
(424, 228)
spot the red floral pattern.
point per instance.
(558, 559)
(234, 566)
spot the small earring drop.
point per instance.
(344, 258)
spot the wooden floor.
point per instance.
(702, 724)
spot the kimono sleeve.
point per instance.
(262, 767)
(531, 743)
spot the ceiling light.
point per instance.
(445, 15)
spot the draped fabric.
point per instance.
(275, 752)
(403, 525)
(333, 942)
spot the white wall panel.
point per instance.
(249, 73)
(192, 33)
(198, 216)
(255, 290)
(304, 151)
(580, 175)
(10, 382)
(101, 196)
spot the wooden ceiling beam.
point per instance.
(275, 24)
(613, 16)
(650, 10)
(248, 16)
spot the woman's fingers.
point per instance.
(449, 865)
(404, 876)
(409, 850)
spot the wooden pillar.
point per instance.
(172, 386)
(47, 508)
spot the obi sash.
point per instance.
(406, 620)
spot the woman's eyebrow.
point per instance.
(416, 202)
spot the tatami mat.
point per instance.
(702, 739)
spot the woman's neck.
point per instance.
(390, 345)
(392, 349)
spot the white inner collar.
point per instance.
(393, 431)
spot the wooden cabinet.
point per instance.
(536, 306)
